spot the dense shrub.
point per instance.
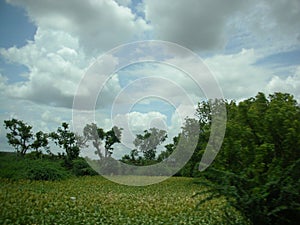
(258, 166)
(34, 155)
(82, 168)
(42, 167)
(46, 171)
(29, 167)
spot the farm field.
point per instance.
(95, 200)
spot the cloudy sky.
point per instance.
(48, 48)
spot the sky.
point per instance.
(48, 48)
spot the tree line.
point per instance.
(257, 168)
(22, 138)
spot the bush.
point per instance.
(46, 171)
(34, 155)
(82, 168)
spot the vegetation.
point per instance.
(97, 135)
(66, 139)
(148, 142)
(146, 145)
(35, 166)
(94, 200)
(257, 170)
(21, 136)
(258, 166)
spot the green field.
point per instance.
(95, 200)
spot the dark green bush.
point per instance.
(82, 168)
(34, 155)
(46, 171)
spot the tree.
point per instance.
(258, 166)
(191, 140)
(92, 133)
(41, 141)
(148, 142)
(133, 158)
(66, 139)
(169, 149)
(97, 135)
(20, 136)
(111, 137)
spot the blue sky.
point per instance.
(16, 29)
(47, 47)
(17, 32)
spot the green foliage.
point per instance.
(257, 168)
(37, 166)
(94, 200)
(41, 170)
(22, 139)
(31, 167)
(111, 137)
(41, 141)
(97, 135)
(12, 166)
(169, 149)
(66, 139)
(148, 142)
(35, 155)
(192, 134)
(20, 135)
(81, 168)
(92, 133)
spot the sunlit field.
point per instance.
(95, 200)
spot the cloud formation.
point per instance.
(55, 67)
(194, 24)
(289, 84)
(98, 24)
(71, 35)
(208, 24)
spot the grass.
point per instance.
(96, 200)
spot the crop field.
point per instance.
(95, 200)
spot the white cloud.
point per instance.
(183, 111)
(237, 75)
(98, 24)
(161, 80)
(48, 117)
(66, 42)
(135, 123)
(290, 84)
(56, 60)
(240, 78)
(55, 67)
(55, 71)
(270, 26)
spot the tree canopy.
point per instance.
(148, 142)
(258, 166)
(97, 136)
